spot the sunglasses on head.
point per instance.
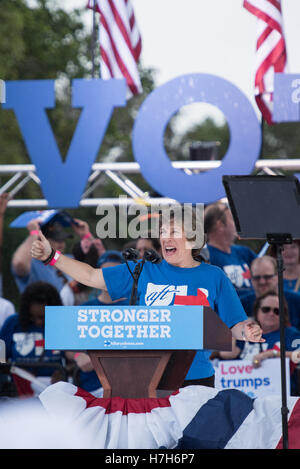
(267, 309)
(257, 278)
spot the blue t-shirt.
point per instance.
(27, 345)
(160, 284)
(290, 284)
(236, 265)
(292, 299)
(40, 273)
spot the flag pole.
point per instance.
(93, 39)
(262, 136)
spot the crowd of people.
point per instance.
(238, 283)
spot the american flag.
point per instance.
(120, 42)
(271, 53)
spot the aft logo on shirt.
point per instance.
(164, 295)
(237, 275)
(27, 342)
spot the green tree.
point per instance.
(45, 42)
(281, 140)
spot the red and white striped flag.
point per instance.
(271, 53)
(120, 42)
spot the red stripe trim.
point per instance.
(122, 66)
(23, 386)
(137, 49)
(106, 60)
(293, 429)
(264, 109)
(263, 16)
(131, 22)
(266, 32)
(126, 406)
(275, 4)
(91, 6)
(270, 61)
(121, 25)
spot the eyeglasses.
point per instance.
(257, 278)
(267, 309)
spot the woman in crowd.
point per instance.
(23, 333)
(266, 313)
(178, 275)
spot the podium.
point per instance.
(154, 365)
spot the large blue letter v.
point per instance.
(64, 182)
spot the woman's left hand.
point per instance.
(253, 332)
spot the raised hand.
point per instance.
(33, 225)
(4, 199)
(80, 227)
(41, 248)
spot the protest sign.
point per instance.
(255, 382)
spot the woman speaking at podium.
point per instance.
(180, 279)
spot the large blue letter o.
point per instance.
(151, 122)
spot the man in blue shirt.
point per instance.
(27, 270)
(235, 260)
(264, 278)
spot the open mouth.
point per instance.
(170, 250)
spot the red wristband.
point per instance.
(55, 258)
(76, 355)
(34, 232)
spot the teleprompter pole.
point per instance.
(278, 241)
(284, 408)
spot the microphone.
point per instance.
(130, 254)
(152, 256)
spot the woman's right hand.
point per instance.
(41, 248)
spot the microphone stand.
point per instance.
(136, 275)
(132, 254)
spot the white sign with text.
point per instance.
(255, 382)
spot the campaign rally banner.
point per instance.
(125, 327)
(255, 382)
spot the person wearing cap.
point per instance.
(27, 270)
(109, 259)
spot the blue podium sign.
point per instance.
(124, 328)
